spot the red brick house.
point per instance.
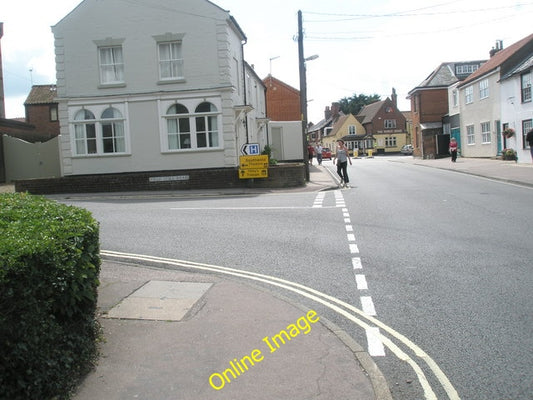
(283, 101)
(384, 124)
(429, 105)
(41, 111)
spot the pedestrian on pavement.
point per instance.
(453, 149)
(342, 157)
(529, 139)
(318, 151)
(310, 151)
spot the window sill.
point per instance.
(196, 150)
(111, 85)
(102, 155)
(171, 81)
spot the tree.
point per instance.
(354, 104)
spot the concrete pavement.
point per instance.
(505, 171)
(179, 335)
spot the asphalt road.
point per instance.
(444, 258)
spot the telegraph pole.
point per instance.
(303, 94)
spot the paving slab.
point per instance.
(160, 300)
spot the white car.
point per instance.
(407, 149)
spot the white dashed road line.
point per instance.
(374, 343)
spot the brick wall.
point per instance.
(280, 176)
(283, 101)
(39, 116)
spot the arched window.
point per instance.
(85, 132)
(207, 125)
(113, 131)
(178, 127)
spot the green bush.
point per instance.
(49, 266)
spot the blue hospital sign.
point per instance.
(250, 149)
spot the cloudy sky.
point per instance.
(364, 47)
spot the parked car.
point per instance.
(326, 153)
(407, 149)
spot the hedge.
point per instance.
(49, 266)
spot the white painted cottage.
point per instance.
(484, 98)
(154, 85)
(517, 107)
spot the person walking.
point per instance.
(529, 140)
(318, 152)
(453, 149)
(310, 151)
(342, 157)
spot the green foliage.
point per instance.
(49, 266)
(509, 154)
(267, 150)
(354, 104)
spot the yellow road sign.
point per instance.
(251, 173)
(253, 162)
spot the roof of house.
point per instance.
(524, 66)
(338, 124)
(41, 94)
(368, 112)
(499, 58)
(444, 75)
(270, 78)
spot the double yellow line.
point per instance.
(342, 308)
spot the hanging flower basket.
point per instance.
(508, 132)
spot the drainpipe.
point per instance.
(243, 42)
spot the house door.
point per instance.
(499, 135)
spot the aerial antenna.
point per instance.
(272, 58)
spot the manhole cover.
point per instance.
(160, 300)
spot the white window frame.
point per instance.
(391, 141)
(469, 94)
(113, 132)
(527, 125)
(525, 87)
(484, 88)
(170, 64)
(470, 135)
(112, 70)
(389, 124)
(170, 61)
(351, 130)
(485, 132)
(92, 137)
(201, 125)
(466, 69)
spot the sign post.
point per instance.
(251, 167)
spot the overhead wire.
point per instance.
(374, 34)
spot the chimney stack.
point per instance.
(335, 109)
(327, 113)
(496, 48)
(394, 98)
